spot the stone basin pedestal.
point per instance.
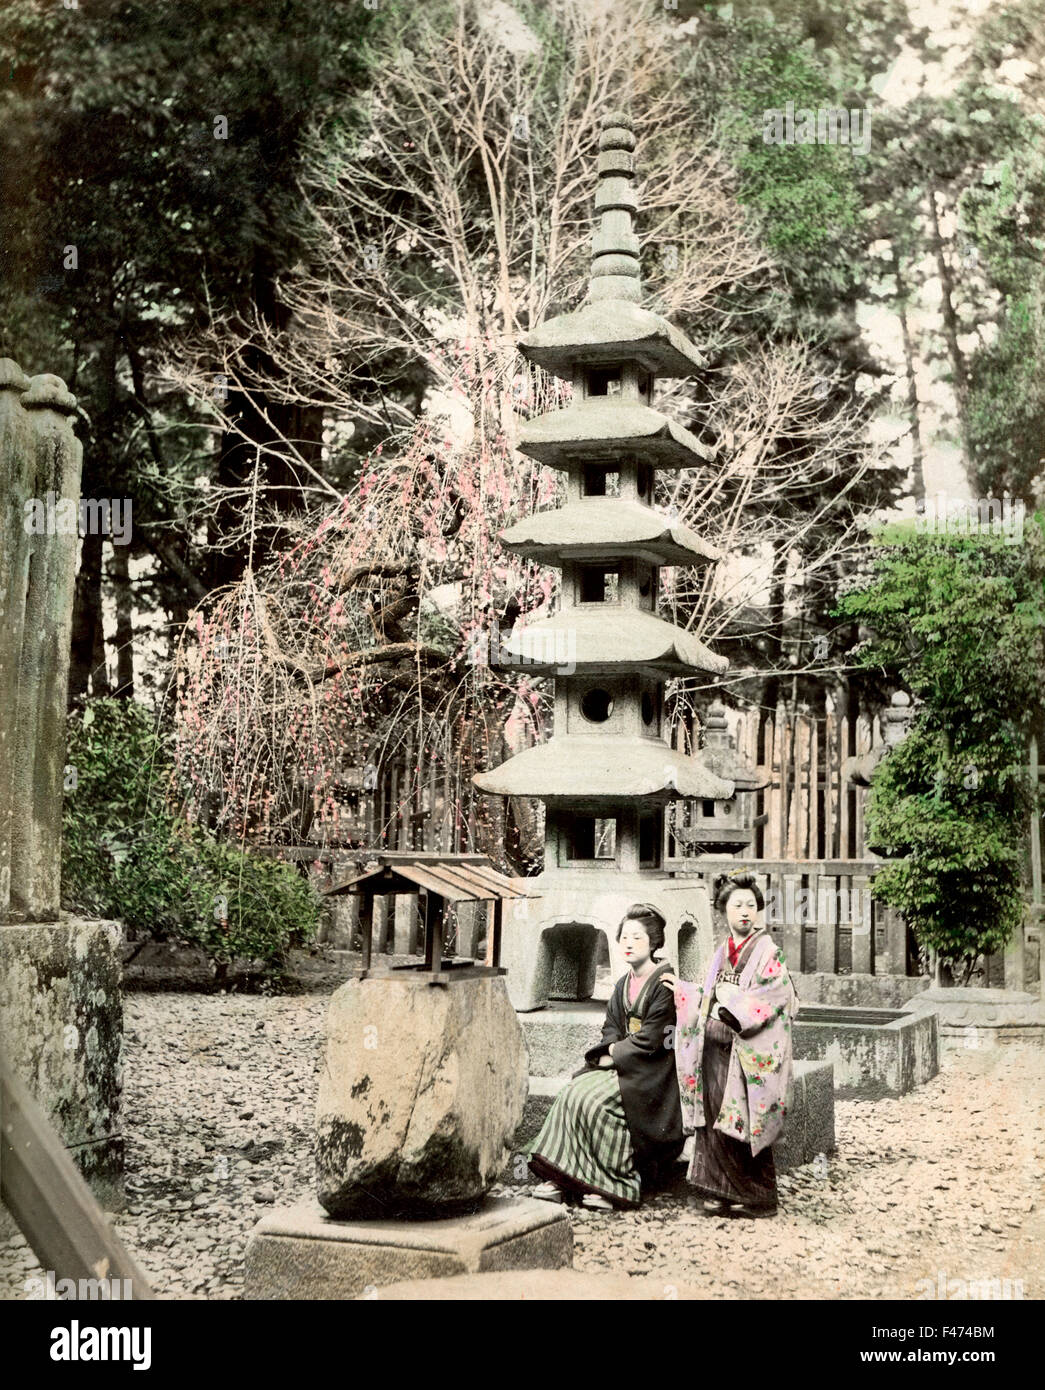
(422, 1090)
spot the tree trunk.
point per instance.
(120, 572)
(87, 674)
(917, 450)
(950, 318)
(265, 426)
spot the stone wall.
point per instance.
(61, 1020)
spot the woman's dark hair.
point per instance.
(651, 922)
(728, 883)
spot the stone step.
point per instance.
(810, 1125)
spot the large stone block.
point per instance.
(302, 1253)
(422, 1090)
(558, 1037)
(61, 1028)
(977, 1018)
(875, 1052)
(810, 1126)
(859, 991)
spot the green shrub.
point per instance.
(961, 622)
(126, 855)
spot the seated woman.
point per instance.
(733, 1051)
(619, 1118)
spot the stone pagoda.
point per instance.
(607, 772)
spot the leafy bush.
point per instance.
(961, 621)
(125, 855)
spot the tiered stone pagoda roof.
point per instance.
(605, 528)
(601, 641)
(573, 767)
(611, 331)
(590, 429)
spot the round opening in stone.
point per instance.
(649, 709)
(597, 705)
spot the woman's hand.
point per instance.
(605, 1060)
(725, 993)
(677, 987)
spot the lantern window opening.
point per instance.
(605, 381)
(600, 480)
(591, 839)
(646, 577)
(707, 807)
(596, 705)
(651, 839)
(598, 584)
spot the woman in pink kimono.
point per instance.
(733, 1056)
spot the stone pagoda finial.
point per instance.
(615, 270)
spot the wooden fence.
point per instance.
(810, 810)
(822, 913)
(809, 847)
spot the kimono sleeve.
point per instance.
(770, 996)
(612, 1030)
(688, 999)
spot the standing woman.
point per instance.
(733, 1052)
(618, 1120)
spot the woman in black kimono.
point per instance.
(619, 1120)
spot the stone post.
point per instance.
(38, 762)
(16, 454)
(61, 1012)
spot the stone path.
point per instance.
(944, 1184)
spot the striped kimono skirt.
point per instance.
(585, 1145)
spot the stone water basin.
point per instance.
(875, 1052)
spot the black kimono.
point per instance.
(609, 1127)
(645, 1066)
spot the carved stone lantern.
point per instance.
(725, 827)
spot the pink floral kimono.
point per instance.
(735, 1076)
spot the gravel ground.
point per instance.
(943, 1184)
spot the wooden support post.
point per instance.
(433, 933)
(1035, 828)
(823, 891)
(53, 1206)
(863, 932)
(494, 948)
(366, 927)
(788, 888)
